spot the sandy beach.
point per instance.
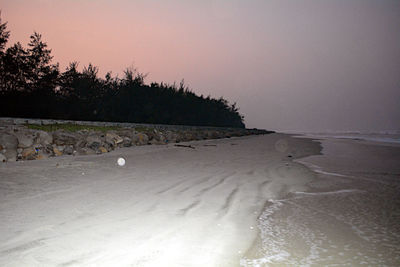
(249, 201)
(168, 206)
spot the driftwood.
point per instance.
(188, 146)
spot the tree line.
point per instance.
(32, 86)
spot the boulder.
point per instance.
(84, 151)
(127, 142)
(186, 136)
(170, 137)
(113, 138)
(56, 151)
(29, 153)
(25, 139)
(126, 133)
(2, 158)
(68, 150)
(65, 138)
(87, 151)
(141, 139)
(81, 143)
(93, 141)
(9, 143)
(150, 135)
(44, 138)
(41, 156)
(158, 141)
(48, 149)
(102, 149)
(162, 138)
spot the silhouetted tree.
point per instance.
(4, 35)
(42, 75)
(31, 86)
(15, 68)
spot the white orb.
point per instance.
(121, 161)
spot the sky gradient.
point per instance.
(306, 65)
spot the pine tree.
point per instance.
(42, 75)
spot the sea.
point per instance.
(382, 136)
(349, 216)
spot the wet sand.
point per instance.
(168, 206)
(349, 216)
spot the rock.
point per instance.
(170, 137)
(65, 138)
(9, 143)
(196, 135)
(126, 133)
(2, 158)
(1, 147)
(56, 151)
(150, 135)
(25, 139)
(80, 144)
(48, 149)
(157, 142)
(114, 138)
(227, 135)
(142, 139)
(93, 141)
(161, 138)
(87, 151)
(29, 153)
(102, 149)
(186, 136)
(41, 156)
(44, 138)
(155, 137)
(127, 142)
(69, 150)
(135, 138)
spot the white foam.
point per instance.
(382, 137)
(278, 257)
(344, 191)
(318, 169)
(330, 173)
(274, 247)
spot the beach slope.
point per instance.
(167, 206)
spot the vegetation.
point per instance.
(71, 127)
(31, 86)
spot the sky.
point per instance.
(290, 65)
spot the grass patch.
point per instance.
(71, 127)
(143, 129)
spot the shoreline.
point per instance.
(349, 214)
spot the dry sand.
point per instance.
(168, 206)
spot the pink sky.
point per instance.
(290, 65)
